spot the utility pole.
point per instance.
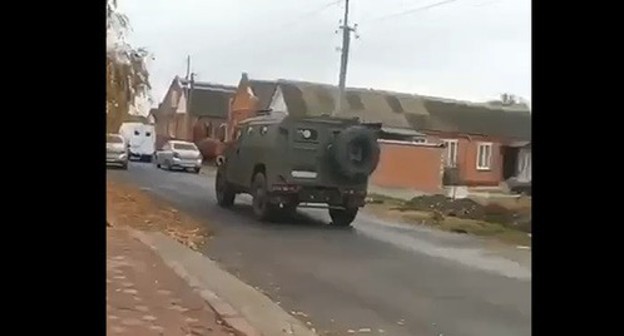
(188, 67)
(189, 89)
(186, 119)
(344, 56)
(190, 92)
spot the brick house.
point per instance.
(485, 145)
(409, 159)
(193, 111)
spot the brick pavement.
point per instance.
(145, 297)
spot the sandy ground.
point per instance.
(127, 205)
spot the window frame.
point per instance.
(222, 132)
(487, 165)
(448, 162)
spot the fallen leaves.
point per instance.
(127, 205)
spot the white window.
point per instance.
(450, 155)
(484, 156)
(223, 132)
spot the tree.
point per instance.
(507, 99)
(127, 77)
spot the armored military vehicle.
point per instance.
(289, 162)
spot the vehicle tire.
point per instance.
(263, 210)
(289, 211)
(124, 166)
(196, 170)
(342, 217)
(355, 152)
(225, 194)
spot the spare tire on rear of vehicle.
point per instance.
(355, 152)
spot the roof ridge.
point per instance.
(398, 93)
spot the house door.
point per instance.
(510, 162)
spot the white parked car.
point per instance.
(116, 151)
(179, 154)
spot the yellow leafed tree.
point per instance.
(126, 74)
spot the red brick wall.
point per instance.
(243, 106)
(467, 160)
(409, 166)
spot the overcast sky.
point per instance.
(463, 49)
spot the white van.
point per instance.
(141, 140)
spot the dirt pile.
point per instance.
(127, 205)
(519, 219)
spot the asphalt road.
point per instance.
(389, 278)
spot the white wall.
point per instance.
(524, 165)
(278, 105)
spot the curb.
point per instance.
(230, 316)
(208, 170)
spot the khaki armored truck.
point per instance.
(289, 162)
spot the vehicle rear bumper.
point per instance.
(186, 164)
(331, 197)
(116, 159)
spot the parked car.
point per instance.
(116, 151)
(177, 154)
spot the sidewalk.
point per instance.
(145, 297)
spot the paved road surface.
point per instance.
(390, 278)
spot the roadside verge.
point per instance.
(240, 306)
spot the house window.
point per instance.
(450, 154)
(208, 129)
(484, 156)
(222, 132)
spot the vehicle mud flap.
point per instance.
(355, 152)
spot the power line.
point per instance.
(487, 3)
(308, 15)
(412, 11)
